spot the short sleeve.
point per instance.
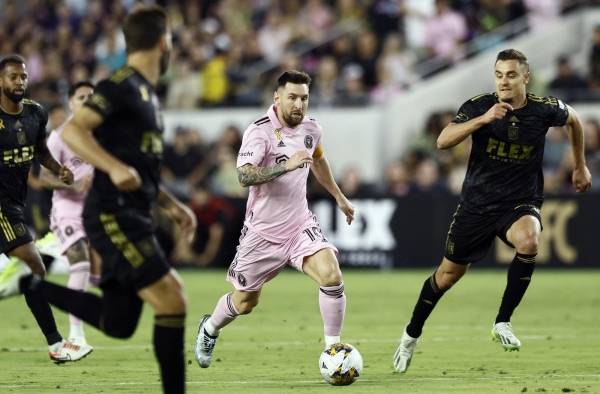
(107, 98)
(54, 146)
(466, 112)
(558, 113)
(253, 149)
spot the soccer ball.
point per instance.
(340, 364)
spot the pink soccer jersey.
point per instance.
(67, 203)
(278, 209)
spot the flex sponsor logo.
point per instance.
(508, 152)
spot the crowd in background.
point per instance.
(228, 52)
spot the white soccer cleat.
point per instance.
(404, 352)
(503, 333)
(80, 341)
(10, 277)
(205, 344)
(69, 352)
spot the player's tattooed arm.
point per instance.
(249, 175)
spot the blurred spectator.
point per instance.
(274, 36)
(427, 179)
(366, 56)
(592, 148)
(213, 214)
(396, 179)
(325, 88)
(352, 184)
(183, 162)
(567, 85)
(353, 91)
(385, 16)
(445, 32)
(541, 13)
(184, 90)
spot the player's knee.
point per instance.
(121, 328)
(527, 244)
(446, 279)
(244, 307)
(331, 275)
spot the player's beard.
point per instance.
(164, 61)
(292, 121)
(12, 96)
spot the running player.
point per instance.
(67, 207)
(277, 151)
(23, 139)
(502, 193)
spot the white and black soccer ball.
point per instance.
(340, 364)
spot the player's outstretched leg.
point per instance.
(228, 308)
(434, 287)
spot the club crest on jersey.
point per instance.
(308, 141)
(279, 138)
(1, 124)
(513, 128)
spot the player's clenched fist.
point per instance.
(498, 111)
(125, 178)
(297, 160)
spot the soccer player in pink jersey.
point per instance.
(67, 206)
(274, 160)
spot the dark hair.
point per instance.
(293, 76)
(11, 59)
(73, 88)
(144, 27)
(513, 54)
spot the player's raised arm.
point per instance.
(322, 171)
(77, 134)
(250, 175)
(455, 133)
(581, 178)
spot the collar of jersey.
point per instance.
(12, 113)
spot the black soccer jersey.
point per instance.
(132, 131)
(505, 165)
(22, 137)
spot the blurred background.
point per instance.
(388, 75)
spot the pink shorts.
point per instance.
(68, 231)
(257, 260)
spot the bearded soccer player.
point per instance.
(119, 131)
(66, 221)
(23, 139)
(274, 160)
(502, 192)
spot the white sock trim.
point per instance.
(210, 328)
(330, 340)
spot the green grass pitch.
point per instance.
(276, 348)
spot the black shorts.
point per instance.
(471, 235)
(131, 255)
(13, 230)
